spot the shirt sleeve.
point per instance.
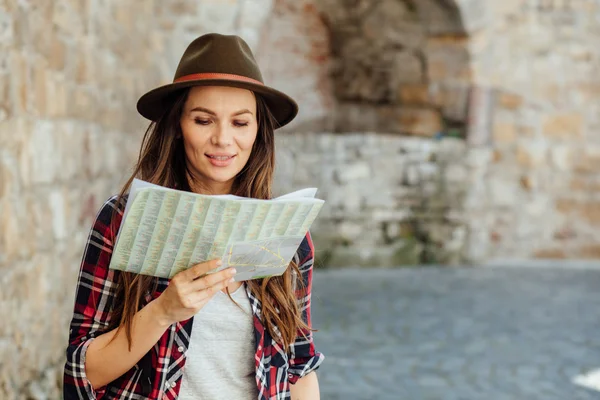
(303, 356)
(95, 293)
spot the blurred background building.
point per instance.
(438, 132)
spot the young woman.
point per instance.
(198, 335)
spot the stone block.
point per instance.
(448, 59)
(58, 220)
(16, 238)
(252, 17)
(19, 85)
(532, 154)
(584, 183)
(590, 212)
(218, 16)
(551, 92)
(556, 253)
(509, 101)
(347, 198)
(587, 160)
(5, 103)
(64, 17)
(6, 28)
(504, 132)
(410, 121)
(41, 153)
(404, 253)
(353, 172)
(407, 68)
(393, 23)
(591, 251)
(410, 175)
(183, 7)
(392, 231)
(82, 107)
(413, 94)
(503, 192)
(562, 157)
(9, 377)
(565, 205)
(429, 171)
(350, 230)
(452, 98)
(387, 215)
(56, 96)
(479, 157)
(453, 149)
(478, 245)
(565, 125)
(528, 183)
(456, 174)
(9, 183)
(356, 117)
(565, 233)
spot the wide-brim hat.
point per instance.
(218, 60)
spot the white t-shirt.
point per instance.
(220, 358)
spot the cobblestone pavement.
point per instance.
(446, 333)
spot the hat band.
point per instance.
(216, 75)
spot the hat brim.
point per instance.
(153, 104)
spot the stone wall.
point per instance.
(68, 131)
(536, 192)
(390, 200)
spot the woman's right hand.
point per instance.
(190, 290)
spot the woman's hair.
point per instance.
(162, 161)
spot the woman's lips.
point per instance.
(219, 160)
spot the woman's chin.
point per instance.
(220, 177)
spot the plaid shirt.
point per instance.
(158, 374)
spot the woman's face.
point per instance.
(219, 128)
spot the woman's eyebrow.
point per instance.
(202, 109)
(206, 110)
(244, 111)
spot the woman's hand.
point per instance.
(190, 290)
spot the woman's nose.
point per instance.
(223, 135)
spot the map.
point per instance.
(165, 231)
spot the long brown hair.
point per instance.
(162, 161)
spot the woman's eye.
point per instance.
(201, 121)
(236, 123)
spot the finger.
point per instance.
(201, 269)
(200, 297)
(210, 280)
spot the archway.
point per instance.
(393, 76)
(400, 66)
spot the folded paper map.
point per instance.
(165, 231)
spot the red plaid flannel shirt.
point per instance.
(158, 374)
